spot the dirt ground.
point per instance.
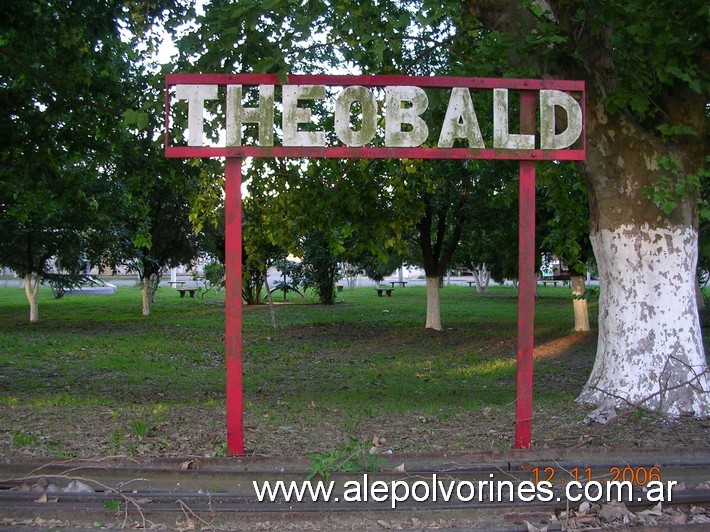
(91, 431)
(77, 429)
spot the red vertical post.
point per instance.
(233, 306)
(526, 281)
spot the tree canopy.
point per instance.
(71, 74)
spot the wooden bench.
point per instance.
(400, 283)
(190, 289)
(553, 281)
(387, 291)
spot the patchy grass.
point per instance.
(94, 377)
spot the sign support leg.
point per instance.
(526, 281)
(526, 305)
(233, 306)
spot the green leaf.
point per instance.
(137, 119)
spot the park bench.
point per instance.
(564, 280)
(190, 289)
(387, 291)
(400, 283)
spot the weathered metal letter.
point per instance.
(294, 115)
(501, 138)
(195, 96)
(461, 121)
(549, 140)
(398, 115)
(238, 115)
(343, 104)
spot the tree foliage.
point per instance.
(67, 74)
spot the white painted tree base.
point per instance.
(32, 283)
(433, 304)
(650, 350)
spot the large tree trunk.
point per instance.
(579, 303)
(32, 293)
(650, 351)
(650, 345)
(433, 305)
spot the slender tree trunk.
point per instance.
(581, 308)
(481, 276)
(271, 300)
(32, 293)
(485, 277)
(145, 297)
(153, 287)
(433, 305)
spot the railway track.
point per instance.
(223, 493)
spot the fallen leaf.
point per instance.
(583, 508)
(613, 511)
(531, 527)
(655, 510)
(188, 464)
(679, 519)
(400, 468)
(44, 499)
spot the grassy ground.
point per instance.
(95, 378)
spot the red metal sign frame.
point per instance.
(526, 251)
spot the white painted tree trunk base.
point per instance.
(580, 305)
(433, 304)
(650, 351)
(32, 293)
(145, 296)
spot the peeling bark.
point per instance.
(650, 350)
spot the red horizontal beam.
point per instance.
(440, 82)
(370, 152)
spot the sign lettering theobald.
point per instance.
(372, 116)
(343, 104)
